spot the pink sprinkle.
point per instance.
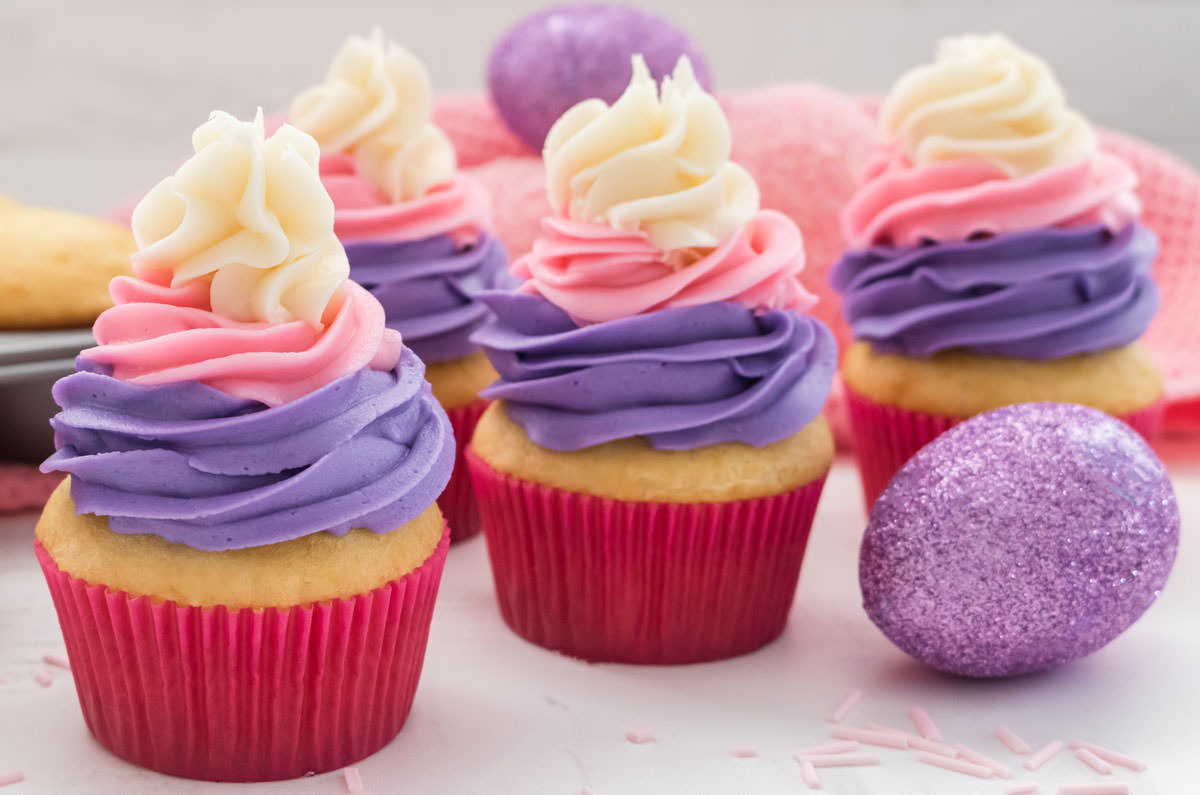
(1103, 788)
(870, 737)
(930, 747)
(1043, 756)
(642, 734)
(977, 758)
(879, 727)
(57, 661)
(353, 779)
(955, 765)
(11, 777)
(1011, 740)
(840, 760)
(843, 709)
(587, 790)
(924, 724)
(808, 774)
(1022, 788)
(744, 752)
(1090, 759)
(1109, 755)
(42, 678)
(845, 747)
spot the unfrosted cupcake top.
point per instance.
(243, 391)
(660, 301)
(416, 231)
(991, 221)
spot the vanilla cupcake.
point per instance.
(649, 471)
(995, 257)
(417, 232)
(245, 556)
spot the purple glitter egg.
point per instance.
(1019, 540)
(551, 60)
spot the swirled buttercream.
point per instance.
(682, 377)
(652, 163)
(375, 104)
(201, 467)
(596, 273)
(985, 98)
(248, 213)
(1037, 294)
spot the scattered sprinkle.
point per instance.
(1102, 788)
(744, 752)
(924, 724)
(57, 660)
(955, 765)
(870, 737)
(42, 678)
(879, 727)
(977, 758)
(808, 774)
(587, 790)
(843, 709)
(930, 747)
(1011, 740)
(642, 734)
(1022, 787)
(844, 747)
(11, 777)
(1090, 759)
(353, 779)
(840, 760)
(1044, 755)
(1108, 755)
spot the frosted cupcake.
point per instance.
(245, 555)
(650, 468)
(416, 231)
(995, 257)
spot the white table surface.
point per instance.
(496, 715)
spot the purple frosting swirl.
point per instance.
(1039, 294)
(199, 467)
(683, 377)
(427, 288)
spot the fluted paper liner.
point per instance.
(246, 695)
(458, 502)
(885, 437)
(642, 582)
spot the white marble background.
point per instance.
(99, 98)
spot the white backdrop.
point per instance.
(99, 98)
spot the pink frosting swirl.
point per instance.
(596, 273)
(899, 204)
(158, 334)
(460, 208)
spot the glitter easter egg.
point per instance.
(565, 54)
(1019, 540)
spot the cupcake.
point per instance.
(649, 470)
(245, 555)
(995, 257)
(416, 231)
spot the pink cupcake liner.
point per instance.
(246, 695)
(458, 502)
(885, 437)
(642, 582)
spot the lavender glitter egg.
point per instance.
(551, 60)
(1019, 540)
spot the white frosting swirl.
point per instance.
(250, 212)
(658, 164)
(375, 103)
(984, 97)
